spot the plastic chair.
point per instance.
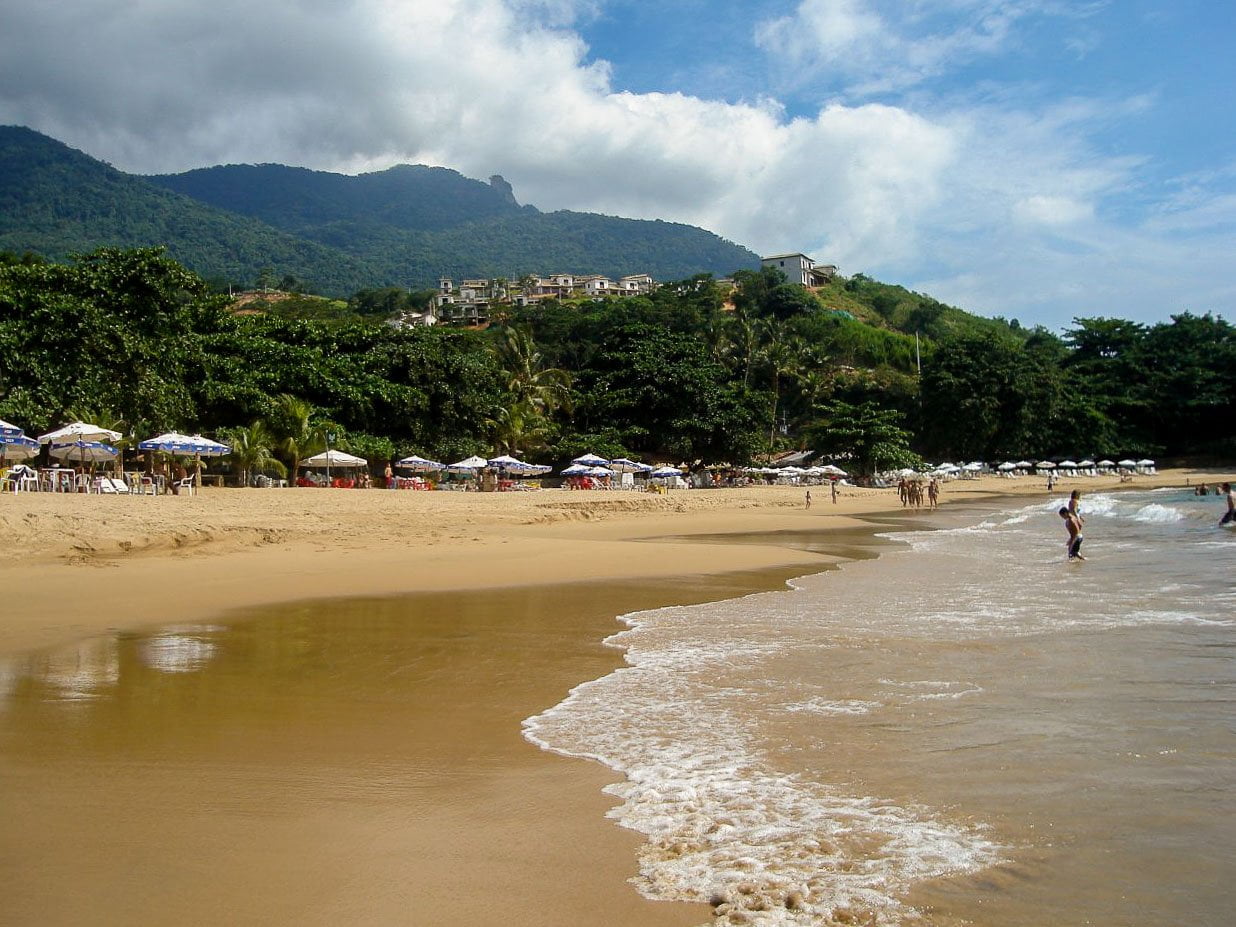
(185, 486)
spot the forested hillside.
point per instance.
(329, 233)
(133, 340)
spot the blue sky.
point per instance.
(1035, 159)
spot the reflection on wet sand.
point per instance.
(353, 762)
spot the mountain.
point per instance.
(404, 226)
(55, 201)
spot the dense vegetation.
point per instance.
(134, 337)
(333, 234)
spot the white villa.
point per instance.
(801, 269)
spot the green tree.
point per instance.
(298, 433)
(869, 435)
(252, 450)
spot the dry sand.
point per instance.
(472, 824)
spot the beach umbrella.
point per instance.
(1007, 465)
(506, 462)
(18, 447)
(590, 460)
(1068, 465)
(84, 451)
(1044, 465)
(79, 431)
(1024, 465)
(419, 464)
(1127, 463)
(1145, 463)
(600, 471)
(974, 466)
(1106, 463)
(665, 472)
(575, 470)
(625, 465)
(1085, 463)
(10, 431)
(833, 470)
(334, 458)
(470, 463)
(184, 445)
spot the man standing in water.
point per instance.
(1230, 515)
(1073, 524)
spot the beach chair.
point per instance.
(185, 486)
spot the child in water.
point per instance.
(1073, 524)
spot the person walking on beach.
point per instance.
(389, 476)
(808, 498)
(1072, 524)
(933, 493)
(833, 486)
(1230, 515)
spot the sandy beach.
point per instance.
(230, 548)
(528, 580)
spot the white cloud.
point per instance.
(979, 206)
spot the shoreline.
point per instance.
(136, 563)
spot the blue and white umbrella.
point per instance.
(18, 446)
(10, 431)
(468, 464)
(661, 472)
(576, 469)
(590, 460)
(419, 464)
(184, 445)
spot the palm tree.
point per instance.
(526, 378)
(253, 449)
(296, 433)
(782, 354)
(517, 428)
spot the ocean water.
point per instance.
(968, 730)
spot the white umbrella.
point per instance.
(590, 460)
(1068, 465)
(974, 466)
(1044, 465)
(10, 431)
(1107, 463)
(1007, 465)
(506, 462)
(1024, 465)
(79, 431)
(1086, 463)
(665, 471)
(470, 463)
(84, 451)
(600, 471)
(625, 465)
(419, 464)
(333, 458)
(833, 470)
(575, 470)
(1127, 463)
(1145, 463)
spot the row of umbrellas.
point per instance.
(584, 465)
(86, 443)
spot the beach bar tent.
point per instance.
(334, 458)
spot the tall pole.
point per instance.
(329, 436)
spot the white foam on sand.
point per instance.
(721, 823)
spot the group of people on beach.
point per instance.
(1073, 519)
(911, 493)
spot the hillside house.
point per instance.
(800, 269)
